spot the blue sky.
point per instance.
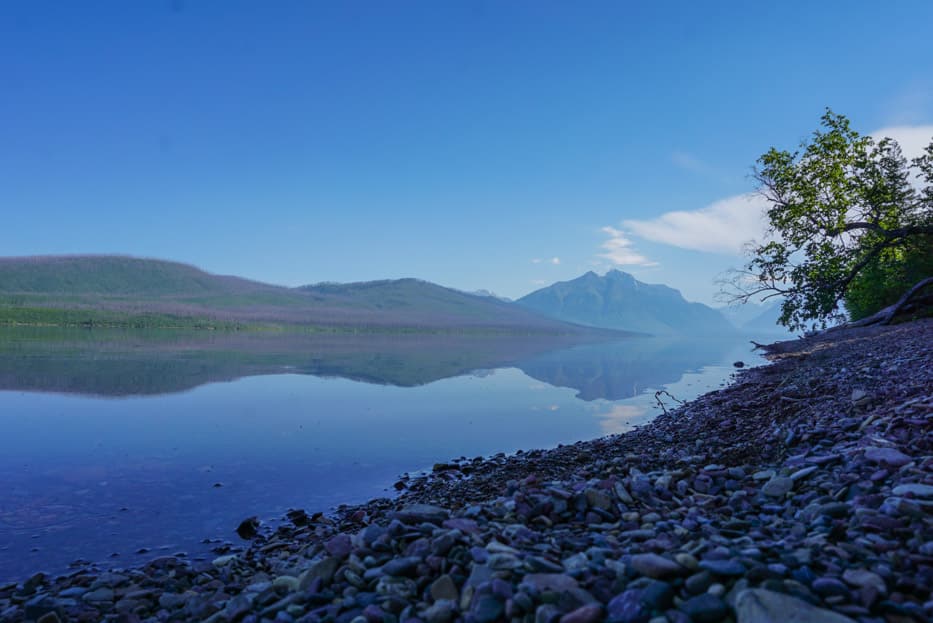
(467, 143)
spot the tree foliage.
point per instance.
(850, 220)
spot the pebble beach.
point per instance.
(803, 491)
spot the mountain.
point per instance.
(756, 317)
(619, 301)
(127, 291)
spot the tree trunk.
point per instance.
(887, 314)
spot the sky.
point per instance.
(479, 145)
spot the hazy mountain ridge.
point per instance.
(756, 317)
(131, 287)
(619, 301)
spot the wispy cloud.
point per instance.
(721, 227)
(913, 139)
(727, 225)
(912, 104)
(552, 260)
(618, 250)
(689, 162)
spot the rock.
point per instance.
(556, 582)
(859, 396)
(658, 595)
(778, 487)
(887, 456)
(248, 528)
(223, 561)
(99, 595)
(404, 566)
(723, 567)
(442, 611)
(705, 608)
(915, 489)
(287, 582)
(699, 582)
(655, 566)
(443, 588)
(627, 607)
(835, 509)
(421, 513)
(339, 546)
(486, 609)
(547, 613)
(323, 570)
(739, 364)
(622, 493)
(827, 587)
(170, 601)
(49, 617)
(238, 606)
(758, 605)
(687, 561)
(590, 613)
(863, 578)
(803, 473)
(403, 588)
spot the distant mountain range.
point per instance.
(126, 291)
(756, 317)
(117, 291)
(619, 301)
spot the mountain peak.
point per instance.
(619, 301)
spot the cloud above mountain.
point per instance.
(618, 250)
(721, 227)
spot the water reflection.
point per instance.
(208, 429)
(121, 363)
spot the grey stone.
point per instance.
(406, 565)
(444, 588)
(421, 513)
(758, 605)
(916, 489)
(442, 611)
(627, 607)
(170, 601)
(778, 487)
(887, 456)
(705, 608)
(655, 566)
(323, 569)
(99, 595)
(590, 613)
(863, 578)
(723, 567)
(556, 582)
(486, 609)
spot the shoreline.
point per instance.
(804, 486)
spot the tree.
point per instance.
(849, 220)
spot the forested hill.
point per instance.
(116, 291)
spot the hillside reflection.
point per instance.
(129, 363)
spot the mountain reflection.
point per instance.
(132, 363)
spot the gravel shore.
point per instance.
(802, 492)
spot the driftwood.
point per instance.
(888, 313)
(882, 317)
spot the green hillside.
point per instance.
(118, 291)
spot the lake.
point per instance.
(119, 446)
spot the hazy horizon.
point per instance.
(478, 146)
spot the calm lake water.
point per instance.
(118, 446)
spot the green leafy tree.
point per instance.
(850, 221)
